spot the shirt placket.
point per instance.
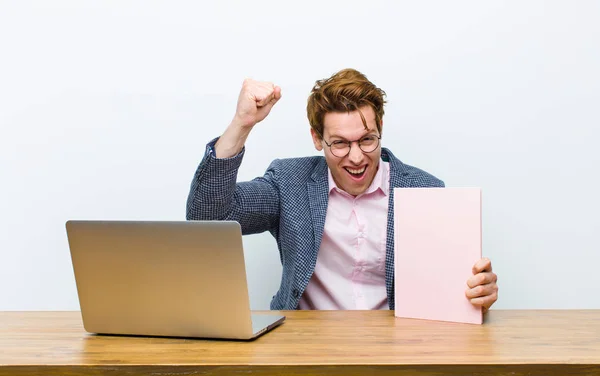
(359, 257)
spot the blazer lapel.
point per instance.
(317, 200)
(318, 197)
(397, 179)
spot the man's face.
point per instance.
(354, 172)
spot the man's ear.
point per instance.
(316, 140)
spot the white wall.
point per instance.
(105, 108)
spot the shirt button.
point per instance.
(296, 293)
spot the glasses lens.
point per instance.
(368, 144)
(340, 150)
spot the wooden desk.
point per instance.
(311, 343)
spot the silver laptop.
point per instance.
(176, 279)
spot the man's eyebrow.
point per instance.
(368, 133)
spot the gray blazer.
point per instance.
(289, 201)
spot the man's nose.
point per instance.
(355, 155)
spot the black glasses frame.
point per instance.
(349, 143)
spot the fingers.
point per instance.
(483, 287)
(482, 279)
(273, 98)
(255, 102)
(485, 302)
(483, 265)
(277, 94)
(482, 290)
(270, 98)
(263, 93)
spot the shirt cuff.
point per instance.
(210, 151)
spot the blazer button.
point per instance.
(296, 293)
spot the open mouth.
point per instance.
(356, 173)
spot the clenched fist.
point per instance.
(255, 101)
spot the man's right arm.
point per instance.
(215, 193)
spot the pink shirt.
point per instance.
(350, 269)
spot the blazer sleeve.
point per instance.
(216, 195)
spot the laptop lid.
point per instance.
(161, 278)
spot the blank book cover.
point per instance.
(437, 240)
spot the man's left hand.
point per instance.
(483, 290)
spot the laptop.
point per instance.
(160, 278)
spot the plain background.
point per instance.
(106, 107)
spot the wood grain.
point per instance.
(540, 342)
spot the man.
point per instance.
(332, 216)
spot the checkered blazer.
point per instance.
(289, 201)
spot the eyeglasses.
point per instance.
(341, 148)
